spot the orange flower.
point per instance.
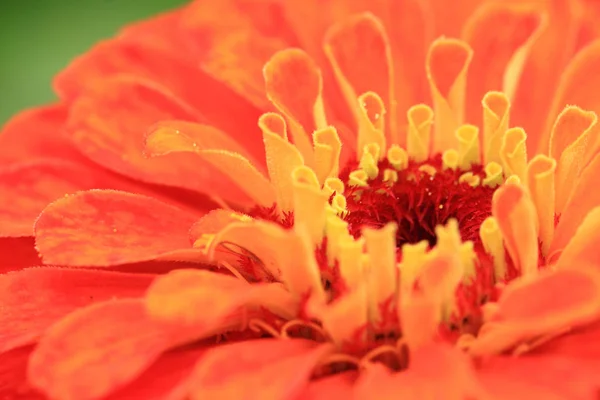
(385, 248)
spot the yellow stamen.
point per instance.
(428, 169)
(540, 180)
(468, 146)
(420, 121)
(467, 258)
(370, 121)
(513, 180)
(470, 179)
(493, 175)
(309, 203)
(496, 110)
(397, 157)
(338, 203)
(491, 237)
(328, 148)
(513, 152)
(450, 159)
(282, 158)
(390, 176)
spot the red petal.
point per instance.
(269, 369)
(216, 102)
(35, 298)
(96, 350)
(36, 133)
(105, 227)
(13, 379)
(167, 379)
(17, 253)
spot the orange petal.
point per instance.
(18, 253)
(500, 37)
(33, 185)
(36, 133)
(536, 88)
(13, 376)
(572, 135)
(214, 221)
(582, 248)
(582, 200)
(533, 308)
(447, 64)
(104, 227)
(581, 345)
(448, 20)
(517, 219)
(206, 299)
(98, 349)
(337, 386)
(167, 379)
(184, 79)
(360, 55)
(294, 84)
(35, 298)
(450, 370)
(268, 369)
(108, 126)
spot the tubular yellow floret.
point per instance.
(468, 146)
(418, 141)
(450, 159)
(369, 159)
(309, 202)
(390, 176)
(428, 169)
(413, 258)
(358, 178)
(336, 230)
(327, 148)
(513, 180)
(469, 178)
(332, 185)
(491, 237)
(540, 181)
(513, 152)
(496, 111)
(371, 112)
(397, 157)
(493, 175)
(467, 258)
(338, 203)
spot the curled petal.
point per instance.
(35, 298)
(250, 367)
(103, 228)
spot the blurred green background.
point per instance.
(39, 37)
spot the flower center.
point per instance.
(424, 196)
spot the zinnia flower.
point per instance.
(388, 237)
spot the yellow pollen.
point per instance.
(450, 159)
(369, 159)
(492, 241)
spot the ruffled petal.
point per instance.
(36, 133)
(517, 218)
(584, 197)
(182, 77)
(105, 227)
(435, 372)
(29, 187)
(500, 36)
(98, 349)
(582, 249)
(18, 253)
(268, 369)
(13, 379)
(35, 298)
(167, 379)
(204, 298)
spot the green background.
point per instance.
(39, 37)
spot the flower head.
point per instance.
(390, 236)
